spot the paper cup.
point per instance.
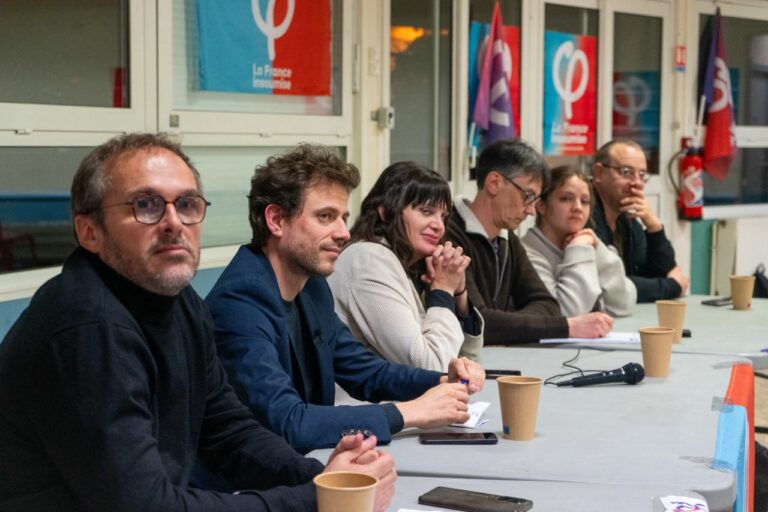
(519, 398)
(656, 343)
(741, 291)
(672, 315)
(345, 491)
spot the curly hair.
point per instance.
(284, 179)
(400, 185)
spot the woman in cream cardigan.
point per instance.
(401, 290)
(580, 271)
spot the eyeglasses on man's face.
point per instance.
(628, 172)
(529, 197)
(150, 209)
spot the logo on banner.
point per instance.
(722, 84)
(566, 90)
(268, 27)
(637, 96)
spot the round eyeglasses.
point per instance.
(628, 172)
(150, 209)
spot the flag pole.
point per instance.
(699, 122)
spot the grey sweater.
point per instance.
(582, 278)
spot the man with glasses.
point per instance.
(501, 282)
(110, 387)
(619, 175)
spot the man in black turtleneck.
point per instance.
(110, 386)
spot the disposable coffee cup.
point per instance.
(672, 314)
(519, 398)
(345, 491)
(741, 291)
(656, 343)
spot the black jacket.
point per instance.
(648, 257)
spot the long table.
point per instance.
(546, 496)
(659, 432)
(714, 330)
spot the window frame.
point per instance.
(52, 125)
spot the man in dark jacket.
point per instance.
(501, 281)
(618, 177)
(277, 333)
(110, 387)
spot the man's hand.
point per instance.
(636, 206)
(353, 453)
(591, 325)
(464, 369)
(439, 406)
(682, 280)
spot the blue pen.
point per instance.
(464, 381)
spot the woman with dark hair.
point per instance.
(580, 271)
(401, 290)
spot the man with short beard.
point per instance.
(110, 387)
(279, 337)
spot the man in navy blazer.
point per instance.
(278, 335)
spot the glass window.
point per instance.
(570, 84)
(746, 183)
(35, 222)
(188, 94)
(746, 51)
(420, 75)
(79, 49)
(637, 82)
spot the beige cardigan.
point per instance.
(380, 304)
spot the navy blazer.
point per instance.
(253, 344)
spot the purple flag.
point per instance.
(493, 108)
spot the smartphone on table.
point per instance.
(471, 501)
(718, 301)
(458, 438)
(495, 374)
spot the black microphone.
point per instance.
(631, 373)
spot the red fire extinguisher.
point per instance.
(690, 186)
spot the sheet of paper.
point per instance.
(613, 337)
(476, 410)
(414, 510)
(678, 503)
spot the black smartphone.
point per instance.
(458, 438)
(471, 501)
(720, 301)
(495, 374)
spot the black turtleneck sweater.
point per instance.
(109, 392)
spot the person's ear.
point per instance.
(493, 183)
(597, 172)
(541, 207)
(275, 218)
(89, 234)
(380, 209)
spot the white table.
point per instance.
(546, 496)
(714, 330)
(659, 432)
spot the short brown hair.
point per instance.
(284, 179)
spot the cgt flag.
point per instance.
(720, 138)
(493, 108)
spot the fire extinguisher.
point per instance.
(690, 186)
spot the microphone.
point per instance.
(631, 373)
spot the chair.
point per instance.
(8, 240)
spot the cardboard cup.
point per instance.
(519, 397)
(656, 343)
(345, 491)
(741, 291)
(672, 315)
